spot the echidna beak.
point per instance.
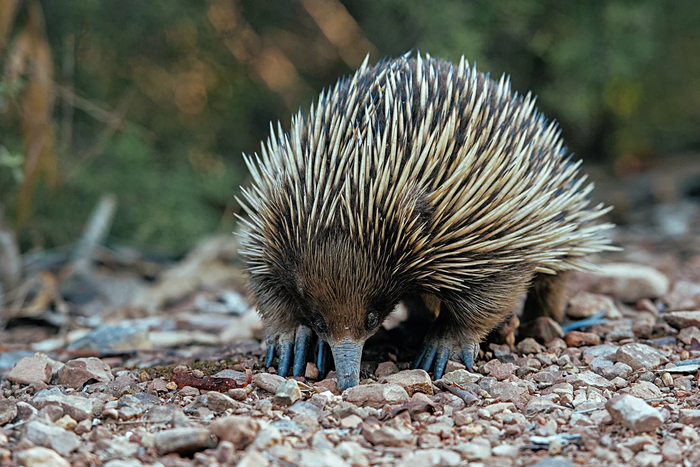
(347, 355)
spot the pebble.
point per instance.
(690, 417)
(40, 457)
(31, 370)
(411, 380)
(586, 304)
(8, 411)
(529, 346)
(376, 395)
(634, 413)
(214, 401)
(430, 457)
(553, 462)
(288, 393)
(351, 421)
(477, 449)
(253, 459)
(689, 334)
(587, 379)
(80, 408)
(462, 377)
(683, 319)
(311, 371)
(51, 436)
(183, 440)
(578, 338)
(76, 373)
(639, 356)
(268, 382)
(386, 369)
(238, 430)
(631, 282)
(392, 433)
(498, 370)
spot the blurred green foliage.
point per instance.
(621, 77)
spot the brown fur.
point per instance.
(547, 297)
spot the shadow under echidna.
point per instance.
(412, 178)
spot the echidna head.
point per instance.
(344, 295)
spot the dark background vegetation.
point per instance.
(156, 100)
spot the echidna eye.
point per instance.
(372, 320)
(321, 326)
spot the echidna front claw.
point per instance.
(322, 358)
(286, 349)
(292, 348)
(435, 353)
(301, 346)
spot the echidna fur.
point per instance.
(414, 176)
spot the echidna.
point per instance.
(413, 177)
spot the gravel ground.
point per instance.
(621, 391)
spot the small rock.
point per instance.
(351, 421)
(288, 393)
(683, 319)
(411, 380)
(311, 371)
(510, 392)
(639, 356)
(8, 411)
(586, 305)
(320, 458)
(238, 430)
(631, 282)
(430, 457)
(672, 450)
(498, 370)
(214, 401)
(578, 338)
(618, 370)
(40, 457)
(62, 441)
(66, 422)
(267, 437)
(386, 369)
(31, 370)
(80, 408)
(543, 329)
(124, 463)
(76, 373)
(585, 379)
(392, 433)
(461, 377)
(634, 413)
(606, 351)
(644, 390)
(253, 459)
(268, 382)
(690, 417)
(188, 391)
(529, 346)
(553, 462)
(477, 449)
(506, 450)
(183, 440)
(239, 376)
(688, 335)
(376, 395)
(454, 366)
